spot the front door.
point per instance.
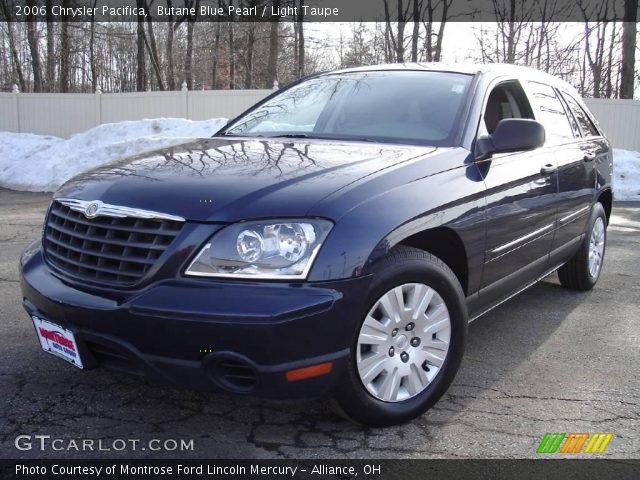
(521, 201)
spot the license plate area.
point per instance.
(57, 340)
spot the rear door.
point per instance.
(577, 176)
(522, 190)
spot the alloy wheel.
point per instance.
(596, 247)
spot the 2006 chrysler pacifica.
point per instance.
(335, 239)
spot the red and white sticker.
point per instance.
(57, 340)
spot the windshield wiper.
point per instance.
(292, 135)
(323, 137)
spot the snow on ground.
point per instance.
(626, 175)
(39, 163)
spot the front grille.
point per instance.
(109, 250)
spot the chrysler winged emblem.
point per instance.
(92, 210)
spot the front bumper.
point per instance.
(231, 336)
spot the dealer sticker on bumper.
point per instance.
(57, 340)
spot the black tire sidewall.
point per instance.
(352, 395)
(596, 212)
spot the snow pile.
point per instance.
(626, 175)
(42, 163)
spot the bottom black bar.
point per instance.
(319, 469)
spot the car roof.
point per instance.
(484, 69)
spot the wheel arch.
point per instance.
(606, 199)
(444, 243)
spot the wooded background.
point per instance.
(47, 56)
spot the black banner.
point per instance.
(313, 10)
(564, 469)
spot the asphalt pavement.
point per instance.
(549, 360)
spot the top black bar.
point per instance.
(314, 10)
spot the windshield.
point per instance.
(396, 106)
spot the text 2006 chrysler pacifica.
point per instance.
(335, 239)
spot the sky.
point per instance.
(459, 39)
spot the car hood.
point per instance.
(227, 179)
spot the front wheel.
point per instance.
(583, 270)
(408, 347)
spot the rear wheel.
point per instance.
(583, 270)
(408, 347)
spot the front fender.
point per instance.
(453, 198)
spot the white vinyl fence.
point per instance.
(620, 120)
(63, 114)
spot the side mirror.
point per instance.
(511, 135)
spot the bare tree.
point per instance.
(301, 47)
(191, 19)
(629, 31)
(434, 39)
(51, 54)
(273, 48)
(599, 42)
(92, 50)
(152, 47)
(32, 38)
(232, 60)
(65, 52)
(398, 38)
(415, 36)
(169, 49)
(141, 74)
(216, 53)
(17, 65)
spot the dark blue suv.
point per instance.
(335, 239)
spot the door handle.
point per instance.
(589, 157)
(548, 169)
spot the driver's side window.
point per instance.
(506, 100)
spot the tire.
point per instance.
(372, 402)
(576, 273)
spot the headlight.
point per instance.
(276, 249)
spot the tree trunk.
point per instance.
(437, 53)
(248, 71)
(272, 64)
(92, 53)
(65, 53)
(300, 39)
(400, 36)
(51, 54)
(141, 80)
(171, 83)
(188, 61)
(216, 53)
(153, 54)
(17, 66)
(232, 53)
(511, 36)
(609, 83)
(416, 30)
(629, 30)
(32, 38)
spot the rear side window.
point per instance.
(586, 125)
(552, 114)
